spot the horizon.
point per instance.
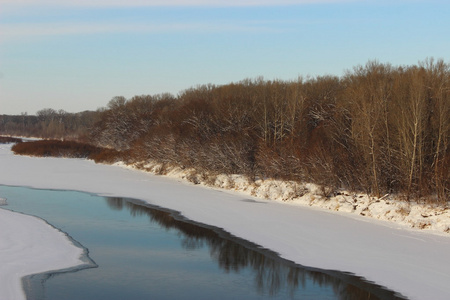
(78, 55)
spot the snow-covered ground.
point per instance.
(414, 262)
(426, 215)
(29, 245)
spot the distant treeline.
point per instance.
(48, 123)
(378, 129)
(9, 140)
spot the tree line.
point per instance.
(49, 123)
(377, 129)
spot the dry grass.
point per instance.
(403, 210)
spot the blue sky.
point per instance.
(78, 54)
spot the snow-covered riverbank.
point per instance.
(425, 216)
(414, 263)
(28, 245)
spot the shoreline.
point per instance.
(428, 217)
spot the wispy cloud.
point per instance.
(131, 3)
(39, 26)
(13, 31)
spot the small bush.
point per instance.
(106, 155)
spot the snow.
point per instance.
(28, 245)
(415, 263)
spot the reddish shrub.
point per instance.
(55, 148)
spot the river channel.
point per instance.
(138, 251)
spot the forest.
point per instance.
(377, 129)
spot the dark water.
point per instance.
(138, 251)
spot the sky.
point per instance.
(77, 55)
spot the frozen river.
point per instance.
(137, 251)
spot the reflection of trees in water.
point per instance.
(272, 274)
